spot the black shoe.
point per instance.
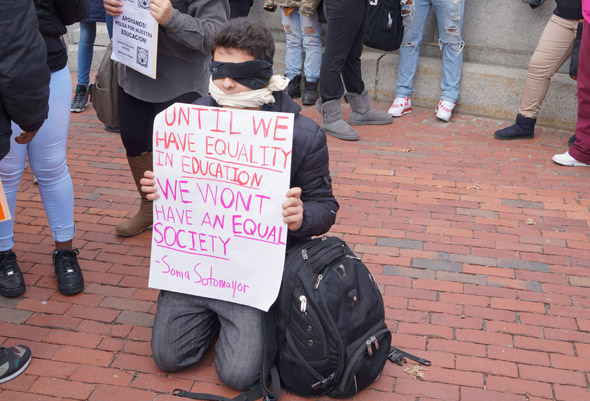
(69, 274)
(112, 129)
(294, 87)
(13, 361)
(12, 283)
(524, 127)
(310, 93)
(571, 141)
(80, 100)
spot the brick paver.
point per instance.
(481, 249)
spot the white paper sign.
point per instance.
(135, 37)
(222, 175)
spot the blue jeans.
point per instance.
(303, 32)
(86, 48)
(449, 14)
(47, 157)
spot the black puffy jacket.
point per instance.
(309, 169)
(53, 17)
(24, 76)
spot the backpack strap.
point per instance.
(399, 357)
(269, 375)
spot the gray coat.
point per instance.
(183, 53)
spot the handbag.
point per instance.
(384, 25)
(104, 90)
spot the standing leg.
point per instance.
(85, 50)
(414, 16)
(312, 42)
(47, 156)
(554, 48)
(293, 51)
(581, 148)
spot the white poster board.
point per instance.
(222, 175)
(135, 37)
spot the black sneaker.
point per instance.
(12, 283)
(13, 361)
(69, 274)
(110, 128)
(80, 100)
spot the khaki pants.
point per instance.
(553, 49)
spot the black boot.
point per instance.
(571, 141)
(524, 127)
(310, 93)
(294, 87)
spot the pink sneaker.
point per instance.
(400, 106)
(444, 110)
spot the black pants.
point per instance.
(347, 20)
(239, 8)
(136, 120)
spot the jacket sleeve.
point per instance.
(195, 28)
(309, 8)
(72, 11)
(24, 75)
(313, 177)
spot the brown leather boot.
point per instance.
(143, 218)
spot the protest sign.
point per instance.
(135, 37)
(222, 175)
(4, 210)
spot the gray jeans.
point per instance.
(185, 325)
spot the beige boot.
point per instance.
(143, 219)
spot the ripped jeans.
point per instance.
(449, 14)
(302, 32)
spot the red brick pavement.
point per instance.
(481, 249)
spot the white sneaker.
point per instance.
(566, 160)
(444, 110)
(400, 106)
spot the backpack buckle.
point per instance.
(322, 384)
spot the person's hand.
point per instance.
(25, 137)
(161, 10)
(148, 185)
(293, 209)
(114, 8)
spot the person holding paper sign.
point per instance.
(185, 29)
(185, 325)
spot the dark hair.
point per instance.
(245, 34)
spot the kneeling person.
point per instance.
(185, 325)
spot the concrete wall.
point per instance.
(500, 37)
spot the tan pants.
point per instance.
(553, 49)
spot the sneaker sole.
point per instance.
(15, 374)
(15, 292)
(406, 111)
(71, 290)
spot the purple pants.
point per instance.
(581, 149)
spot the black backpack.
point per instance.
(384, 25)
(326, 334)
(332, 335)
